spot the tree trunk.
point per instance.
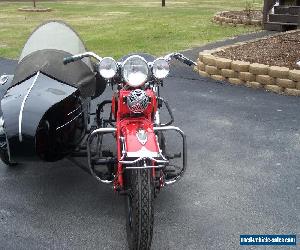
(34, 5)
(268, 5)
(163, 3)
(298, 4)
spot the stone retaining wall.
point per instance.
(218, 18)
(276, 79)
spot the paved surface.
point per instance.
(243, 177)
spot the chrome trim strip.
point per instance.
(157, 118)
(123, 148)
(143, 158)
(74, 110)
(23, 104)
(145, 167)
(70, 121)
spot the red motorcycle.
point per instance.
(140, 165)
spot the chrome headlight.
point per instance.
(135, 71)
(161, 68)
(108, 67)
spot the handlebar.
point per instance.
(181, 58)
(177, 56)
(184, 60)
(80, 56)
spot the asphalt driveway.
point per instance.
(243, 178)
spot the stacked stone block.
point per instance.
(218, 18)
(272, 78)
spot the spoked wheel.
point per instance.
(139, 208)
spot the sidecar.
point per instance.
(44, 109)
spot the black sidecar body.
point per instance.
(45, 104)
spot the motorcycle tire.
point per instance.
(139, 208)
(5, 159)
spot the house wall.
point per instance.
(289, 2)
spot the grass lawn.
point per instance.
(117, 27)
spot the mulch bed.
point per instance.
(243, 15)
(281, 50)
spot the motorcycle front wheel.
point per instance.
(139, 208)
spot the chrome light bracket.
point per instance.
(3, 79)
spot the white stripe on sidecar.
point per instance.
(22, 106)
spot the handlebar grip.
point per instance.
(189, 62)
(184, 60)
(71, 59)
(68, 60)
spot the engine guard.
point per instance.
(140, 155)
(184, 150)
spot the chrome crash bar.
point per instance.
(184, 150)
(164, 161)
(89, 142)
(141, 159)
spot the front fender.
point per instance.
(139, 138)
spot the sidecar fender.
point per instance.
(139, 139)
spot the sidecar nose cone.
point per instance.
(23, 107)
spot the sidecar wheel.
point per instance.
(139, 208)
(4, 157)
